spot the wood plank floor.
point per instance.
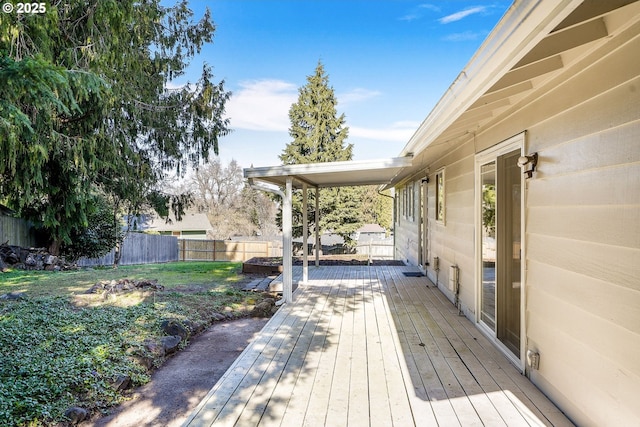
(367, 346)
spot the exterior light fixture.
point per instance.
(528, 164)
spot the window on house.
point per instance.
(440, 199)
(404, 202)
(410, 201)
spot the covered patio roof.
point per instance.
(317, 175)
(332, 174)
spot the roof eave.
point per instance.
(523, 26)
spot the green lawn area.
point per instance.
(61, 347)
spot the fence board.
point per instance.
(16, 231)
(139, 248)
(223, 250)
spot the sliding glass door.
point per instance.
(499, 208)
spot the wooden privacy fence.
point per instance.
(225, 250)
(139, 248)
(16, 231)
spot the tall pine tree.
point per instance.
(319, 135)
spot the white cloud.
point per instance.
(464, 36)
(396, 132)
(356, 95)
(262, 105)
(417, 12)
(462, 14)
(428, 6)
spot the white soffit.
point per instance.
(332, 174)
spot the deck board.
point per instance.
(368, 346)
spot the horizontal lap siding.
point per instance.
(451, 242)
(583, 242)
(582, 224)
(406, 233)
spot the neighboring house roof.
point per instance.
(371, 228)
(189, 222)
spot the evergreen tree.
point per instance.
(319, 135)
(84, 107)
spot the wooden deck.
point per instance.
(367, 346)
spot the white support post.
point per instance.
(287, 256)
(305, 233)
(317, 228)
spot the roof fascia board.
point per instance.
(328, 167)
(524, 25)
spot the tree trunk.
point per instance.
(117, 254)
(54, 247)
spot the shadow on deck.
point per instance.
(368, 346)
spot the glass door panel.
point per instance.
(509, 250)
(488, 244)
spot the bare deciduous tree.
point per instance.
(233, 208)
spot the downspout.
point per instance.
(276, 191)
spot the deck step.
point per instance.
(259, 285)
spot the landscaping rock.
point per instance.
(32, 259)
(263, 308)
(175, 327)
(170, 344)
(145, 361)
(124, 285)
(154, 348)
(14, 296)
(218, 316)
(122, 382)
(76, 414)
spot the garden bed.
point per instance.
(75, 343)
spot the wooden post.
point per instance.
(287, 258)
(305, 232)
(317, 225)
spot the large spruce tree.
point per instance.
(319, 135)
(84, 107)
(318, 132)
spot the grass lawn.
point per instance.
(61, 347)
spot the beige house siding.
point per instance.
(583, 242)
(582, 214)
(407, 225)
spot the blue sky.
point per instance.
(389, 62)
